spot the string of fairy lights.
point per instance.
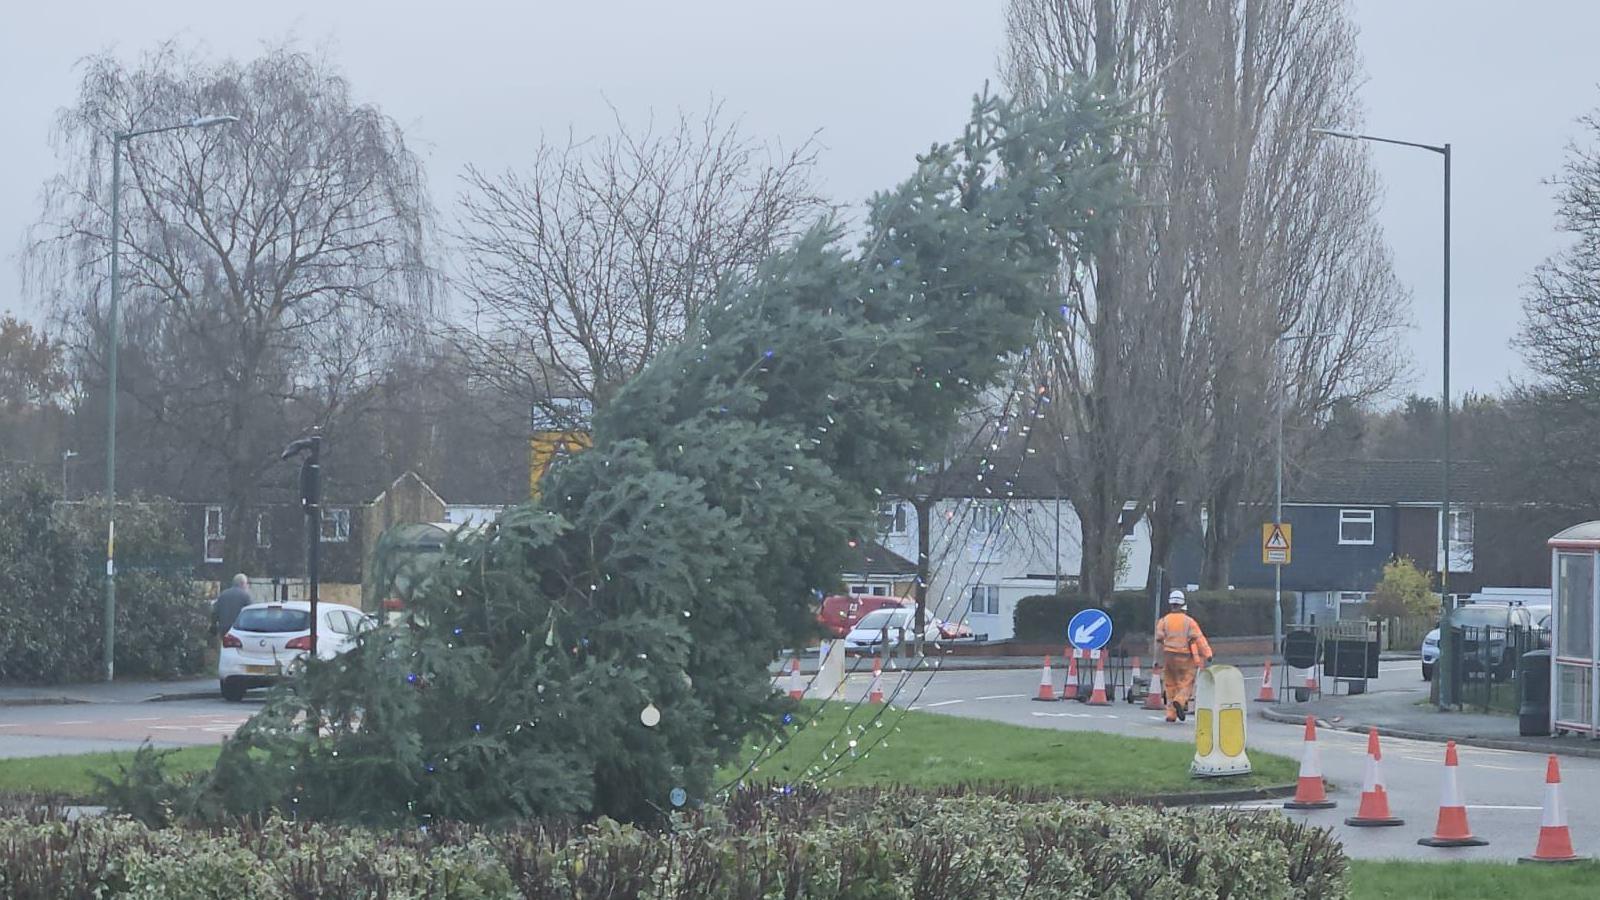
(856, 753)
(836, 760)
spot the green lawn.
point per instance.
(928, 750)
(71, 776)
(1469, 881)
(932, 749)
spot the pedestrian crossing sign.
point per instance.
(1276, 543)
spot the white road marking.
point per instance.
(1003, 697)
(72, 722)
(943, 703)
(1502, 768)
(1518, 808)
(171, 727)
(10, 725)
(144, 719)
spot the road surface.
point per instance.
(1503, 789)
(94, 727)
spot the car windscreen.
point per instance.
(878, 618)
(273, 619)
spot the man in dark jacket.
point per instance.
(225, 609)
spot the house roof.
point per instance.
(1384, 481)
(872, 558)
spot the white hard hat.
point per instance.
(1176, 598)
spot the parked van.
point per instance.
(841, 612)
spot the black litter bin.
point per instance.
(1533, 674)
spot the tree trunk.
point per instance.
(1164, 523)
(1222, 534)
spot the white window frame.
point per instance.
(339, 517)
(218, 534)
(986, 520)
(984, 600)
(895, 512)
(1367, 517)
(263, 531)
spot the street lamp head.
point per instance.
(208, 121)
(1329, 132)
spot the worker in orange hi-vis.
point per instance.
(1184, 649)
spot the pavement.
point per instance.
(1400, 707)
(1503, 788)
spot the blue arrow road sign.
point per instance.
(1090, 629)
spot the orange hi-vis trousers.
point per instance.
(1177, 680)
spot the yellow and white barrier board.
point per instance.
(1219, 723)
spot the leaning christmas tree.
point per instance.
(608, 644)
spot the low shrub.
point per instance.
(762, 843)
(1220, 613)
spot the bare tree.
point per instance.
(1246, 229)
(272, 269)
(1561, 314)
(1121, 347)
(1293, 248)
(580, 270)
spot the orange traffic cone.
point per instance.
(1152, 700)
(1555, 840)
(1267, 695)
(1069, 691)
(1309, 791)
(1452, 830)
(1374, 809)
(1047, 688)
(875, 695)
(1097, 696)
(1133, 678)
(797, 686)
(1311, 681)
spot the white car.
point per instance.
(867, 635)
(270, 640)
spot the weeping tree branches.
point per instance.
(271, 268)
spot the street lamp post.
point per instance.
(119, 138)
(1444, 512)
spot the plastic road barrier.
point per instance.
(1219, 727)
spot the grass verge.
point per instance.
(72, 777)
(929, 750)
(1469, 881)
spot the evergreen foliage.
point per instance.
(52, 556)
(663, 569)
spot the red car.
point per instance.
(841, 612)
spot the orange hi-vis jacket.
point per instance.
(1177, 632)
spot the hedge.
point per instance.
(52, 564)
(764, 843)
(1043, 619)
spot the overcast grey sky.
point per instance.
(478, 80)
